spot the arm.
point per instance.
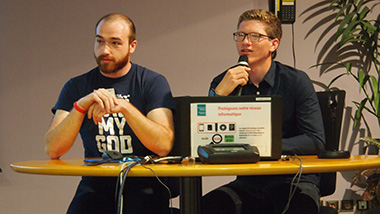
(309, 135)
(63, 130)
(66, 125)
(155, 131)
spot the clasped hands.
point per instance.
(99, 103)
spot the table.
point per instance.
(190, 176)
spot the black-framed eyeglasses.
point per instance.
(252, 37)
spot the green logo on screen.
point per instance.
(201, 110)
(229, 138)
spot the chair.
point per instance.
(332, 105)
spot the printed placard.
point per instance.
(248, 123)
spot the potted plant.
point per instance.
(354, 49)
(357, 52)
(358, 35)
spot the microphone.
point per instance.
(243, 61)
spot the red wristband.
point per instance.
(79, 109)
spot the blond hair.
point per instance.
(272, 23)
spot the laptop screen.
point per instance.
(255, 120)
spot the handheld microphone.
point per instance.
(243, 61)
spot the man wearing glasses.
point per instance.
(258, 37)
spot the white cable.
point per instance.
(124, 169)
(122, 183)
(293, 191)
(163, 184)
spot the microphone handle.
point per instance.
(240, 90)
(239, 86)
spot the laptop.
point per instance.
(254, 120)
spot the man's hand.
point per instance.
(105, 99)
(96, 111)
(234, 77)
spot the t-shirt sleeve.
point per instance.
(158, 94)
(66, 98)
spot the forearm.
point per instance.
(155, 131)
(62, 133)
(306, 144)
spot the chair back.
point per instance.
(332, 105)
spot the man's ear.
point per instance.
(132, 46)
(275, 44)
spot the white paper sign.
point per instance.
(248, 123)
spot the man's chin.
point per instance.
(107, 69)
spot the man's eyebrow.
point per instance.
(113, 38)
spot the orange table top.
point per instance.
(310, 164)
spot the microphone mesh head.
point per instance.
(243, 60)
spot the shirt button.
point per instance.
(257, 92)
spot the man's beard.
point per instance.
(113, 66)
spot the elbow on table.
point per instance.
(166, 147)
(52, 153)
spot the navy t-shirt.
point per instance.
(145, 89)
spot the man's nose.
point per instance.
(246, 39)
(106, 50)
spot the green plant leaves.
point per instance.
(375, 91)
(354, 29)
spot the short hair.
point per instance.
(116, 16)
(272, 22)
